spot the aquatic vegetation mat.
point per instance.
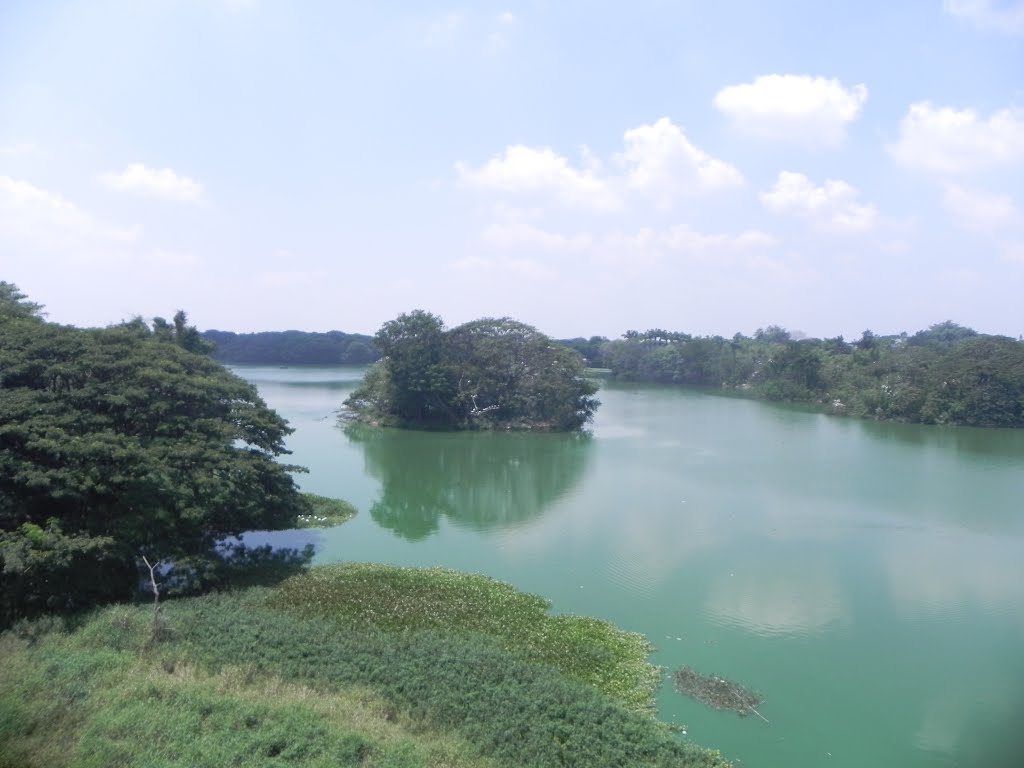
(717, 692)
(382, 597)
(325, 512)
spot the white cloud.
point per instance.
(650, 246)
(793, 108)
(163, 183)
(946, 140)
(681, 237)
(663, 164)
(524, 233)
(1005, 16)
(832, 206)
(658, 163)
(32, 215)
(507, 17)
(979, 211)
(525, 169)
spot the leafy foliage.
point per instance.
(14, 305)
(591, 350)
(46, 570)
(120, 442)
(487, 374)
(947, 374)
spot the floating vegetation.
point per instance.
(405, 600)
(325, 512)
(717, 692)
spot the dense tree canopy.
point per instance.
(119, 443)
(486, 374)
(947, 374)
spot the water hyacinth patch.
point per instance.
(383, 597)
(325, 512)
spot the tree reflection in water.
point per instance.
(478, 480)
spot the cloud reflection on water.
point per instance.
(783, 600)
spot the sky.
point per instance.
(586, 168)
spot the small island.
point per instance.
(489, 374)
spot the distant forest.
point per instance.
(947, 374)
(293, 348)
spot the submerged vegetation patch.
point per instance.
(717, 692)
(382, 597)
(325, 512)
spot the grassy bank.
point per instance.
(269, 677)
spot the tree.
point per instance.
(945, 334)
(486, 374)
(414, 349)
(181, 333)
(774, 334)
(116, 444)
(14, 305)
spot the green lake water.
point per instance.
(866, 579)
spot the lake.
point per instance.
(866, 579)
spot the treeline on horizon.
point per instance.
(947, 374)
(293, 348)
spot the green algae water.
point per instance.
(867, 580)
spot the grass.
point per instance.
(233, 680)
(92, 699)
(325, 512)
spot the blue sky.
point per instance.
(587, 168)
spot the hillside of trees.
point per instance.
(947, 374)
(292, 348)
(493, 373)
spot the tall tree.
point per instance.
(115, 444)
(414, 348)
